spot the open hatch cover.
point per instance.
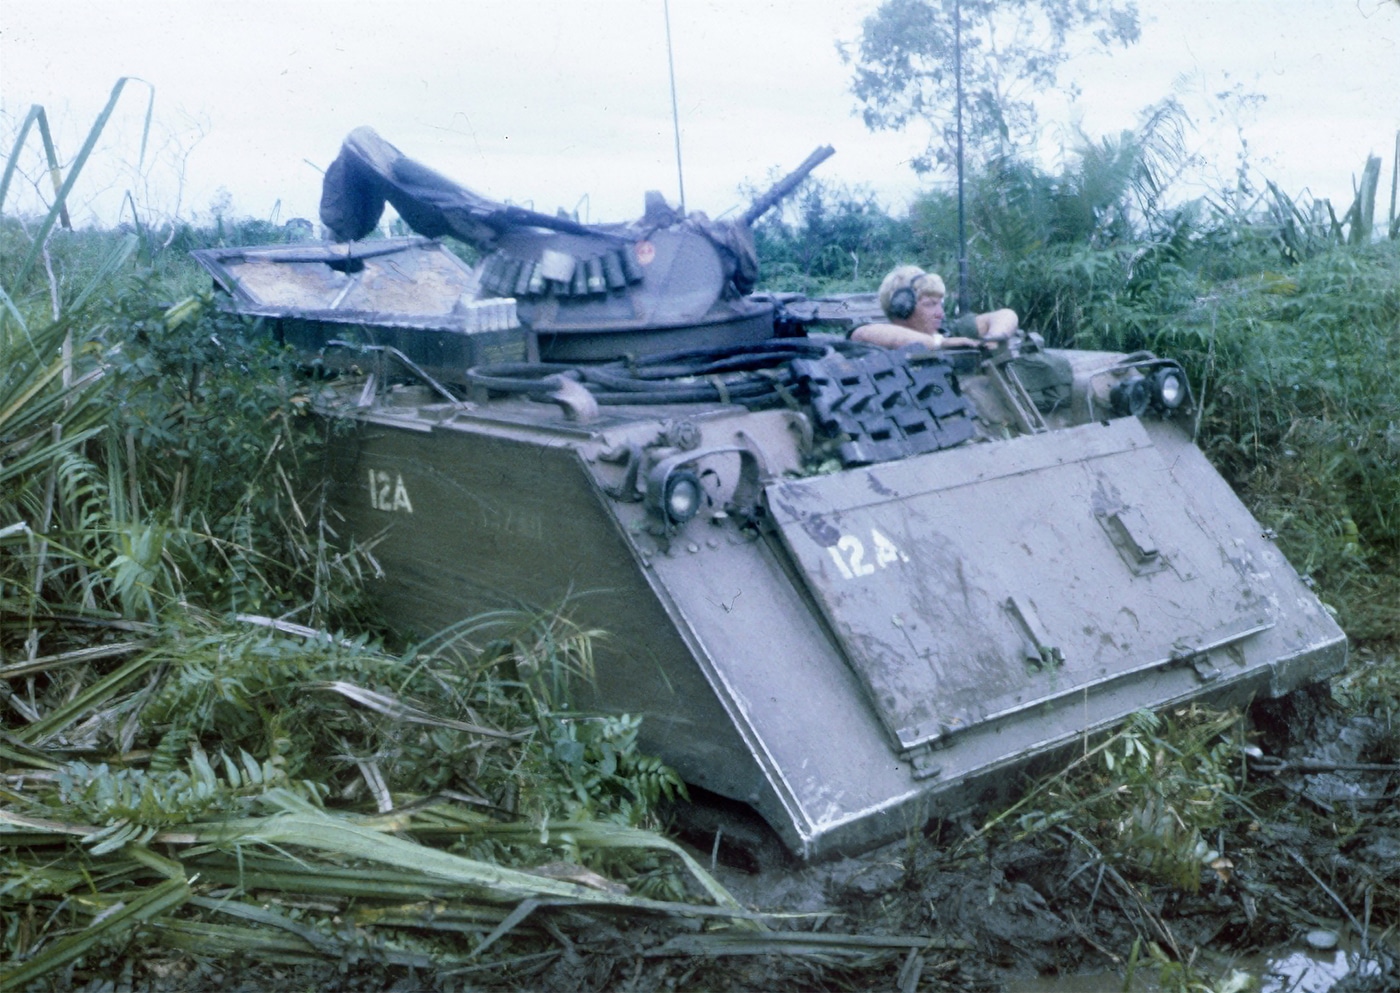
(969, 585)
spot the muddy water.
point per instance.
(1297, 971)
(1026, 915)
(1309, 971)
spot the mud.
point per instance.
(1322, 858)
(1315, 856)
(1042, 914)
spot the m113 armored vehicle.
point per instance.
(852, 588)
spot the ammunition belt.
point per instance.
(506, 276)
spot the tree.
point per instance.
(1011, 49)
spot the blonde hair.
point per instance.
(924, 284)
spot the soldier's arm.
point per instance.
(997, 325)
(894, 336)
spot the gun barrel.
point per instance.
(787, 184)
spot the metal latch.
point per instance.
(1199, 662)
(1039, 652)
(1127, 529)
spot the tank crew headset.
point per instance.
(904, 300)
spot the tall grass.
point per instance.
(182, 735)
(1292, 335)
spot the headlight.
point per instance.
(681, 499)
(675, 494)
(1130, 397)
(1168, 388)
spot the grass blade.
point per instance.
(114, 261)
(158, 900)
(61, 198)
(95, 695)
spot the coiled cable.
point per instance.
(754, 375)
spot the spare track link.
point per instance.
(884, 406)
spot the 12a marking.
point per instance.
(849, 555)
(387, 492)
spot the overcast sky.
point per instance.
(566, 103)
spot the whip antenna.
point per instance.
(962, 220)
(675, 114)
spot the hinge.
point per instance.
(921, 758)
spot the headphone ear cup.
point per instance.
(902, 303)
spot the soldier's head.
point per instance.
(913, 298)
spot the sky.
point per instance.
(567, 103)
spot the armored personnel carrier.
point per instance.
(849, 587)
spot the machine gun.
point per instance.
(784, 187)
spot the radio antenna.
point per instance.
(962, 218)
(675, 114)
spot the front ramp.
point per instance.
(993, 603)
(975, 586)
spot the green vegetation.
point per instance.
(210, 755)
(829, 240)
(194, 691)
(1147, 798)
(1287, 321)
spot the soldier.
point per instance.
(913, 301)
